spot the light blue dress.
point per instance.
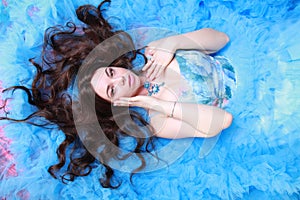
(212, 79)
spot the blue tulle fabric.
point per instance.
(258, 157)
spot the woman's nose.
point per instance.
(119, 80)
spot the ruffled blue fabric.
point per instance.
(258, 157)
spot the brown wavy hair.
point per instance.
(63, 56)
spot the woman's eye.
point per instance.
(111, 72)
(112, 91)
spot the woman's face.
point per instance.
(112, 83)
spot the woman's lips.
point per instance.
(129, 80)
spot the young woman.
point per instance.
(171, 115)
(182, 91)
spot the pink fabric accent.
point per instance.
(24, 195)
(4, 2)
(7, 165)
(32, 10)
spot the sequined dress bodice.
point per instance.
(211, 79)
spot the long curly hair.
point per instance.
(63, 64)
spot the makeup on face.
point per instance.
(112, 83)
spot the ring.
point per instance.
(150, 58)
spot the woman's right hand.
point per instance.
(158, 59)
(147, 102)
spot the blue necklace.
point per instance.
(153, 88)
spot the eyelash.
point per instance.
(112, 91)
(111, 72)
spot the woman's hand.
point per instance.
(147, 102)
(158, 59)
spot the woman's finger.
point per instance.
(151, 69)
(126, 99)
(155, 71)
(149, 51)
(121, 103)
(160, 71)
(130, 99)
(134, 99)
(129, 103)
(148, 64)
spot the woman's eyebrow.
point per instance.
(106, 72)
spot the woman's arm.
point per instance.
(199, 120)
(172, 128)
(208, 120)
(162, 51)
(206, 40)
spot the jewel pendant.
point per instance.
(152, 88)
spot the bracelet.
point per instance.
(173, 109)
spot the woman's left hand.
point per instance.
(147, 102)
(158, 60)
